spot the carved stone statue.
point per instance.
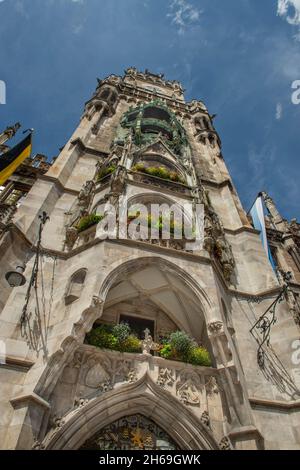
(71, 237)
(214, 238)
(82, 203)
(147, 343)
(224, 254)
(205, 418)
(79, 209)
(118, 180)
(295, 227)
(9, 132)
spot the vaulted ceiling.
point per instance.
(166, 291)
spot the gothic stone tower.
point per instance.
(139, 139)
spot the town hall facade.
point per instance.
(89, 358)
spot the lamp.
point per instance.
(16, 278)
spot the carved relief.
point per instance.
(57, 422)
(225, 444)
(211, 386)
(38, 445)
(96, 376)
(80, 402)
(188, 389)
(132, 376)
(165, 377)
(205, 418)
(215, 327)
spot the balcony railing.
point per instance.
(160, 182)
(102, 370)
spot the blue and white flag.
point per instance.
(258, 217)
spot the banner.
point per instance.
(258, 217)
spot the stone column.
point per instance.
(240, 423)
(276, 217)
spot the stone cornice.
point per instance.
(241, 229)
(85, 149)
(277, 404)
(56, 182)
(24, 400)
(217, 184)
(13, 362)
(133, 91)
(153, 248)
(254, 296)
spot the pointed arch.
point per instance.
(143, 397)
(198, 288)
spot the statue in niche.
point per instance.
(147, 343)
(78, 210)
(224, 254)
(214, 237)
(119, 180)
(82, 203)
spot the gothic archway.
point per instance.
(184, 430)
(64, 403)
(157, 291)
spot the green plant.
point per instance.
(199, 356)
(181, 347)
(159, 171)
(106, 171)
(117, 338)
(102, 337)
(139, 167)
(87, 221)
(166, 351)
(131, 344)
(121, 331)
(181, 343)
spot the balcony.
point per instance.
(151, 180)
(105, 370)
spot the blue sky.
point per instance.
(239, 56)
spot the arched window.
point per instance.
(105, 93)
(134, 432)
(75, 286)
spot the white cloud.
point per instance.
(290, 10)
(278, 114)
(183, 14)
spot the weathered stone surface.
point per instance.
(54, 388)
